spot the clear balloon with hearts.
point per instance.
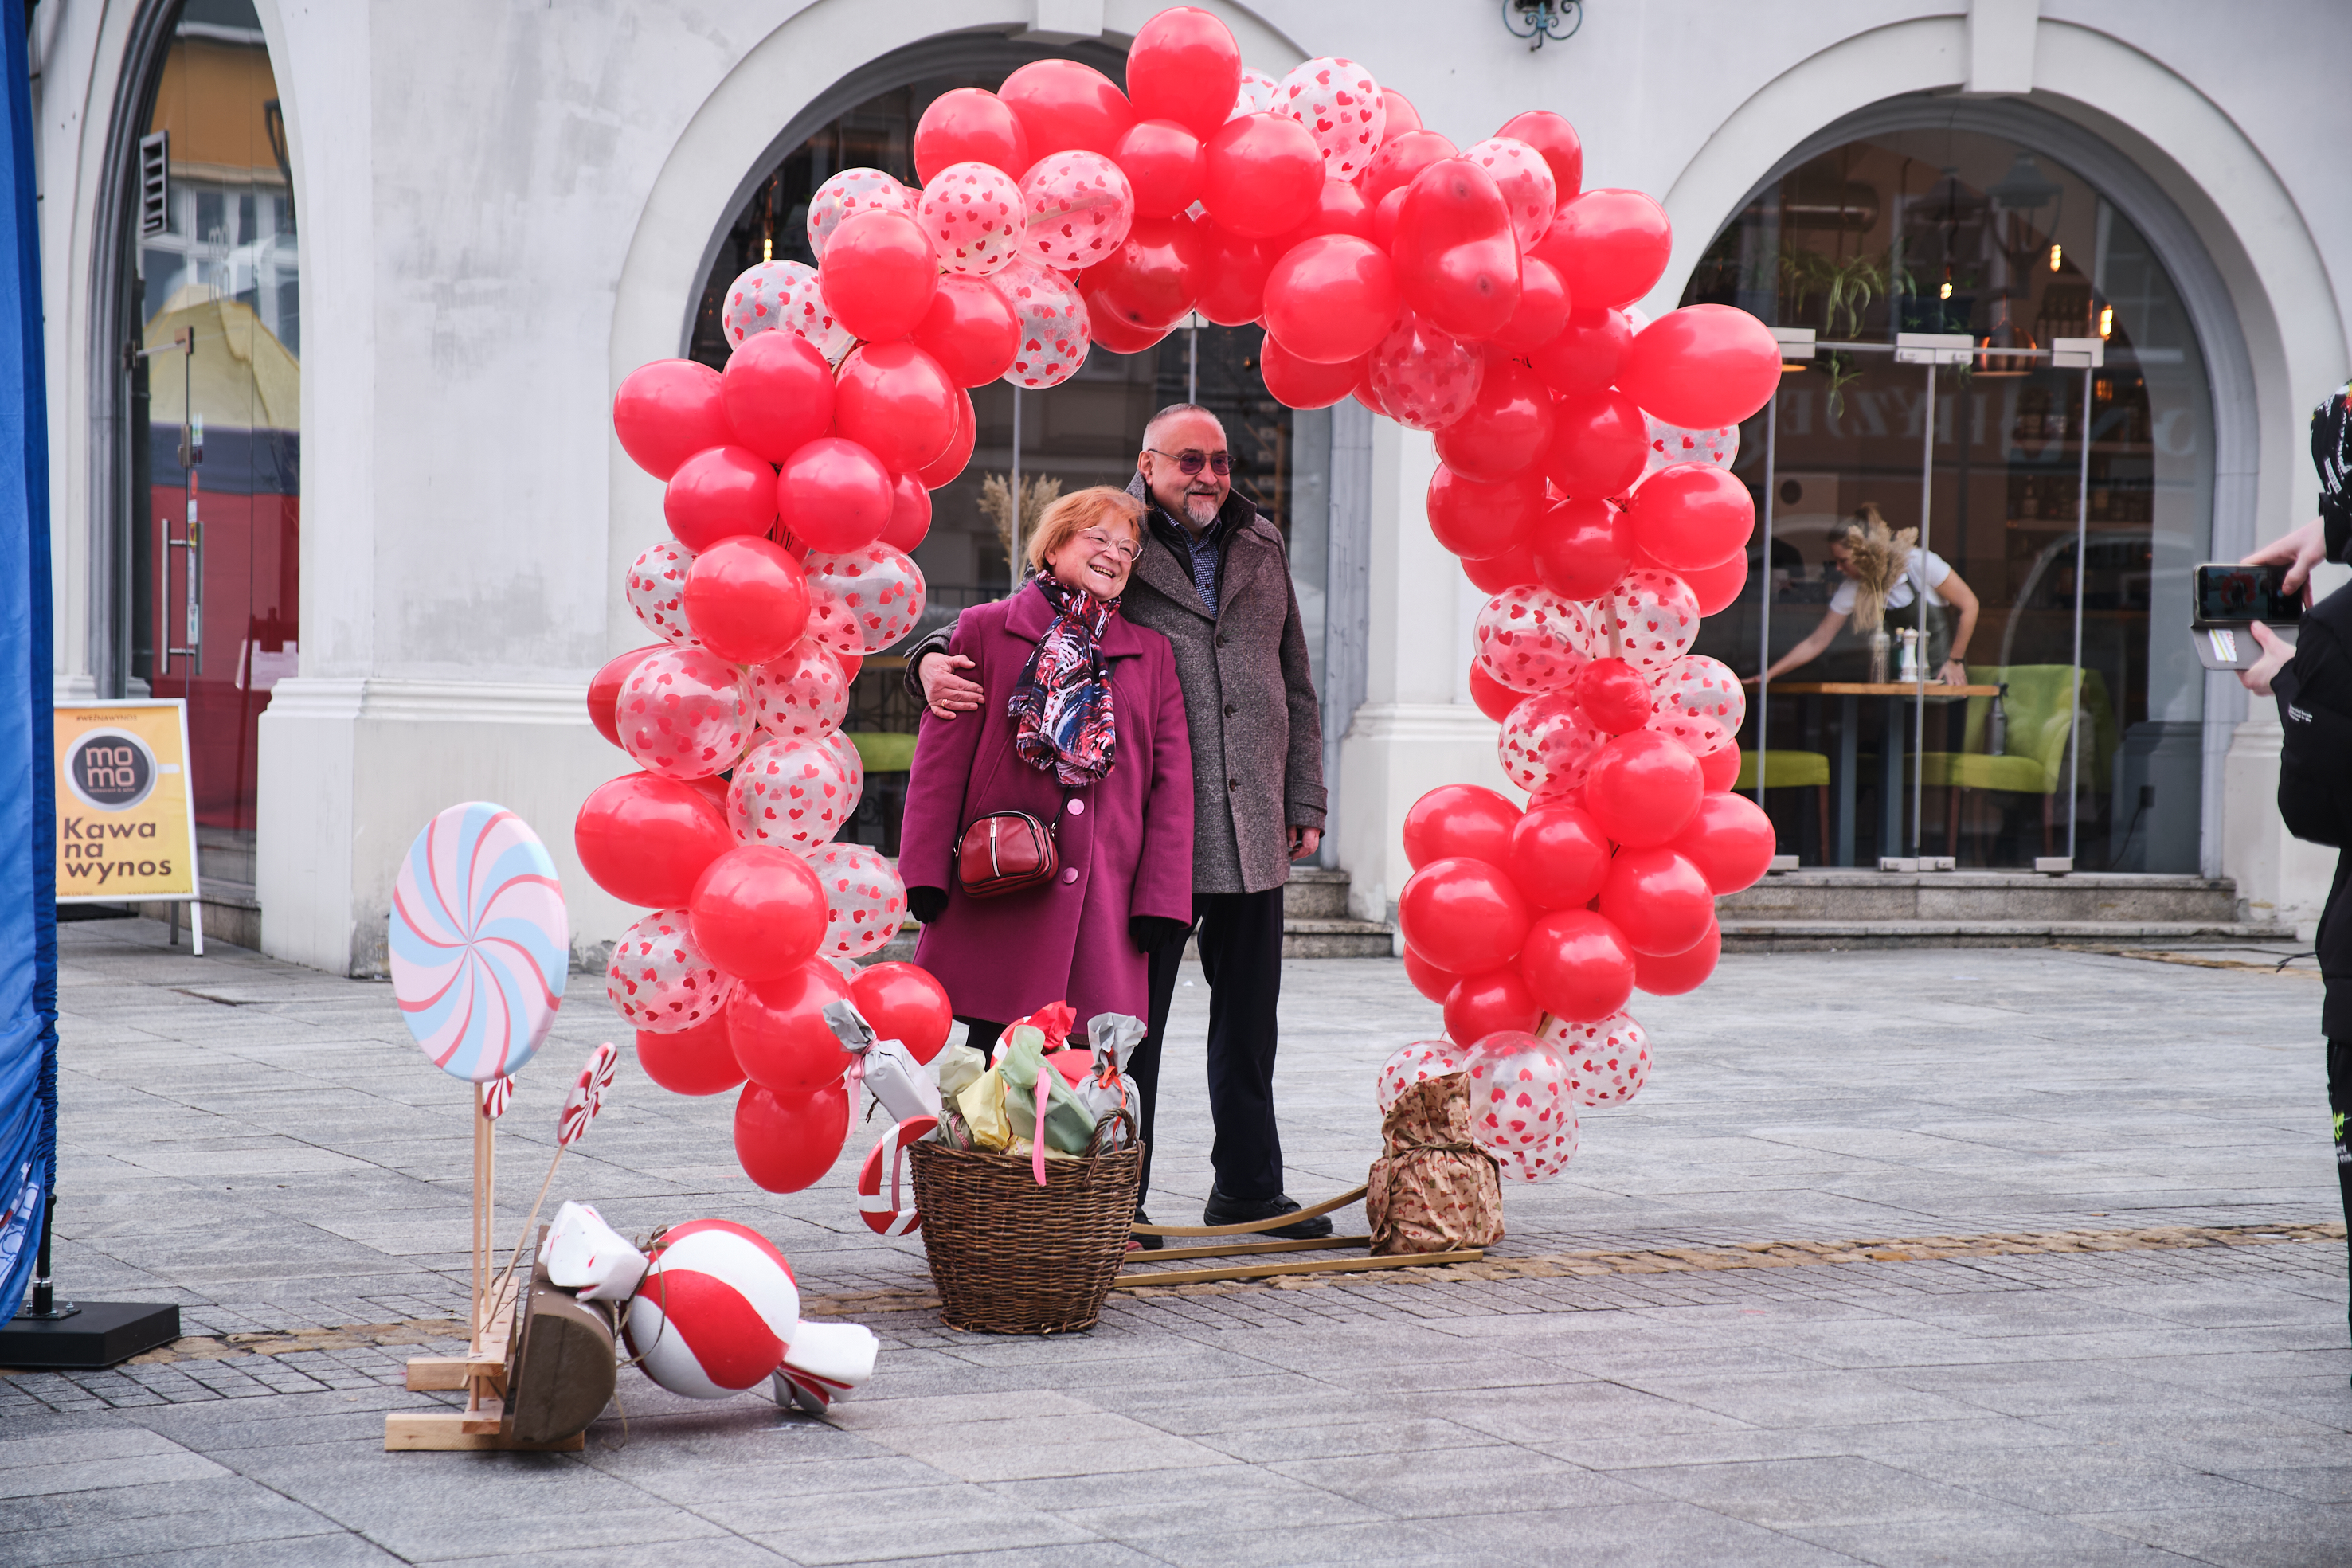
(1080, 208)
(1702, 737)
(656, 588)
(1654, 616)
(681, 714)
(1544, 1162)
(1257, 94)
(865, 904)
(801, 302)
(1673, 443)
(1416, 1063)
(1056, 331)
(1340, 105)
(803, 695)
(659, 980)
(1547, 745)
(1526, 181)
(864, 600)
(1530, 639)
(974, 217)
(1704, 688)
(847, 193)
(853, 763)
(755, 300)
(1519, 1095)
(1607, 1061)
(1425, 377)
(790, 794)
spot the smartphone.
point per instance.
(2227, 599)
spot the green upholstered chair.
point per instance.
(882, 752)
(2033, 760)
(1790, 770)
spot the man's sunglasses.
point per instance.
(1190, 463)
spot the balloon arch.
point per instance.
(1480, 293)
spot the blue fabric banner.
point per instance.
(28, 925)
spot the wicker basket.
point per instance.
(1012, 1257)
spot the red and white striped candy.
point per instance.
(892, 1212)
(587, 1095)
(824, 1362)
(497, 1096)
(715, 1312)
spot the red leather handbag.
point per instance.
(1004, 851)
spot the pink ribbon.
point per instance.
(1037, 1143)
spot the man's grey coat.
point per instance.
(1249, 698)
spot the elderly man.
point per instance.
(1214, 581)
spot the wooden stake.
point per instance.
(1133, 1279)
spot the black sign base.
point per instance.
(101, 1335)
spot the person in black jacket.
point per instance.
(2311, 680)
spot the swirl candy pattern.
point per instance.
(480, 942)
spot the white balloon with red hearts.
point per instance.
(659, 980)
(1340, 105)
(1056, 330)
(1656, 617)
(1518, 1092)
(848, 193)
(803, 695)
(1607, 1061)
(1672, 443)
(1079, 206)
(1526, 181)
(1530, 639)
(1416, 1063)
(755, 300)
(972, 214)
(864, 600)
(1543, 1162)
(1701, 687)
(789, 793)
(656, 588)
(1546, 745)
(804, 311)
(865, 904)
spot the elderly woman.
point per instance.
(1081, 726)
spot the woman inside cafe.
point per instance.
(1884, 572)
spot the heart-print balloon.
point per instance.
(1702, 687)
(1525, 179)
(1530, 639)
(1548, 744)
(803, 695)
(1671, 444)
(1545, 1161)
(788, 793)
(1080, 208)
(656, 588)
(1340, 105)
(1654, 617)
(871, 598)
(1608, 1062)
(755, 299)
(1519, 1095)
(865, 904)
(853, 764)
(1416, 1063)
(659, 979)
(848, 192)
(1257, 94)
(1699, 736)
(1055, 329)
(974, 217)
(801, 303)
(681, 714)
(1424, 377)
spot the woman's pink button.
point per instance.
(1076, 808)
(1069, 875)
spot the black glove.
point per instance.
(926, 903)
(1150, 932)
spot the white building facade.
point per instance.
(504, 209)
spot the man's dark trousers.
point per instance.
(1241, 958)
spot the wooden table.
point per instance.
(1890, 759)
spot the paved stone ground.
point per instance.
(261, 1145)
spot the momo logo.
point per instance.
(110, 769)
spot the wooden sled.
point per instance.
(1151, 1274)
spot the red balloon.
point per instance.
(894, 401)
(1658, 899)
(1584, 358)
(1491, 1003)
(1615, 696)
(1563, 148)
(1720, 770)
(1672, 974)
(1399, 159)
(1731, 841)
(878, 274)
(834, 495)
(778, 393)
(1151, 281)
(1643, 789)
(1702, 366)
(970, 328)
(1431, 981)
(758, 912)
(667, 412)
(779, 1028)
(646, 840)
(1340, 209)
(1506, 429)
(1233, 277)
(787, 1142)
(1265, 175)
(1400, 114)
(719, 492)
(1611, 247)
(1493, 573)
(1599, 443)
(1062, 104)
(1185, 67)
(1576, 965)
(746, 599)
(904, 1003)
(1543, 307)
(1558, 855)
(1457, 260)
(1459, 819)
(1384, 215)
(1476, 519)
(910, 515)
(1301, 383)
(969, 125)
(698, 1060)
(1495, 699)
(1692, 516)
(1332, 298)
(1463, 915)
(1114, 335)
(605, 689)
(850, 664)
(1715, 587)
(1581, 548)
(941, 470)
(1165, 165)
(712, 788)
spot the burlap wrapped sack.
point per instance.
(1433, 1190)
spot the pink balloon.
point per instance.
(659, 979)
(1055, 329)
(803, 695)
(1340, 105)
(1547, 745)
(976, 217)
(681, 714)
(1525, 179)
(1079, 207)
(1530, 639)
(865, 904)
(848, 193)
(790, 794)
(862, 600)
(656, 588)
(1425, 378)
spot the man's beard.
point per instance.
(1202, 509)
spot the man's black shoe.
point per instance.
(1148, 1243)
(1222, 1210)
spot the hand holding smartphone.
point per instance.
(2227, 599)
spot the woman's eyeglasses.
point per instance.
(1097, 539)
(1190, 463)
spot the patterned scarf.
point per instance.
(1061, 705)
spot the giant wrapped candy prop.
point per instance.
(1479, 292)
